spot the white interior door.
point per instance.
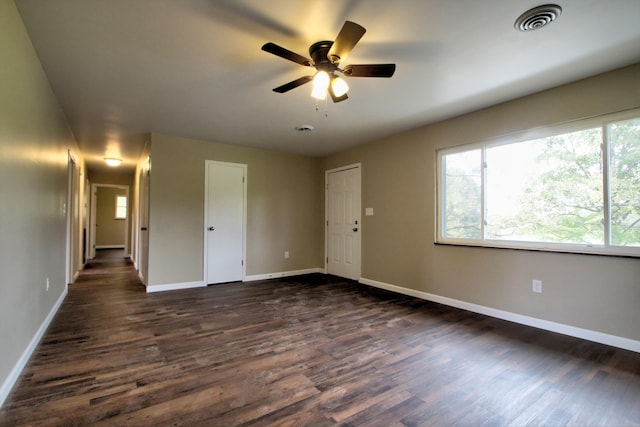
(224, 222)
(343, 222)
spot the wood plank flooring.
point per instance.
(306, 351)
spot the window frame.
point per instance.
(126, 207)
(528, 135)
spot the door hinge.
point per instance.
(243, 179)
(327, 260)
(242, 262)
(327, 223)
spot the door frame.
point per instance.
(141, 232)
(326, 213)
(92, 227)
(73, 215)
(206, 215)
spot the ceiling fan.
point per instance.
(326, 57)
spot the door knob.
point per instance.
(211, 228)
(355, 229)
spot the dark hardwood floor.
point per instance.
(306, 351)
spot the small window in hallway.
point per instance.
(121, 207)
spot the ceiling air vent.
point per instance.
(538, 17)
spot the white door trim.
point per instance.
(326, 211)
(142, 225)
(206, 212)
(70, 209)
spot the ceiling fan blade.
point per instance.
(347, 38)
(372, 70)
(294, 84)
(336, 98)
(286, 54)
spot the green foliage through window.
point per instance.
(462, 172)
(624, 182)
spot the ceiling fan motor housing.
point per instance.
(318, 52)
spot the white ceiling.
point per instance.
(194, 68)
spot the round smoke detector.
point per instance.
(538, 17)
(304, 128)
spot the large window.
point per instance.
(575, 190)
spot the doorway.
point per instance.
(343, 222)
(224, 222)
(109, 218)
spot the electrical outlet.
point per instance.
(47, 284)
(536, 286)
(286, 254)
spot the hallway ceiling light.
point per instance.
(112, 161)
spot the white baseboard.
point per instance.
(201, 284)
(586, 334)
(175, 286)
(282, 274)
(13, 376)
(109, 246)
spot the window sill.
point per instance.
(568, 249)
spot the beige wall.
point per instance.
(113, 178)
(283, 209)
(34, 139)
(398, 180)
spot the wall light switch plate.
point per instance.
(368, 211)
(536, 286)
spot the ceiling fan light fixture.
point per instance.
(320, 85)
(112, 161)
(326, 56)
(339, 86)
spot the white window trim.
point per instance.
(542, 132)
(126, 207)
